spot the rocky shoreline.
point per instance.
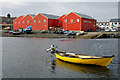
(87, 35)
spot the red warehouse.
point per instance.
(77, 21)
(45, 21)
(16, 23)
(60, 20)
(27, 21)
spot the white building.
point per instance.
(102, 25)
(115, 24)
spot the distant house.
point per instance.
(6, 21)
(115, 23)
(78, 21)
(102, 25)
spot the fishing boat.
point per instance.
(81, 59)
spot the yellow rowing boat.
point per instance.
(81, 59)
(84, 59)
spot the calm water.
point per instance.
(27, 58)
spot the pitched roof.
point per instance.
(84, 16)
(33, 15)
(49, 16)
(115, 20)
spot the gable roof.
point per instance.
(83, 15)
(115, 20)
(49, 16)
(33, 15)
(20, 17)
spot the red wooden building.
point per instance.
(42, 21)
(60, 19)
(16, 23)
(77, 21)
(45, 21)
(27, 21)
(23, 22)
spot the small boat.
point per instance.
(16, 32)
(82, 59)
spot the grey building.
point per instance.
(6, 21)
(115, 23)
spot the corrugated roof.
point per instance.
(49, 16)
(83, 15)
(33, 15)
(115, 20)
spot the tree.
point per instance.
(8, 15)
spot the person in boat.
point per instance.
(52, 49)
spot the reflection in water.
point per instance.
(87, 69)
(53, 65)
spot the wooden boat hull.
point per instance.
(102, 61)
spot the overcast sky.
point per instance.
(102, 11)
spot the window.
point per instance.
(23, 21)
(93, 25)
(44, 20)
(27, 21)
(8, 20)
(77, 20)
(15, 22)
(39, 21)
(89, 21)
(65, 20)
(115, 23)
(34, 21)
(19, 22)
(71, 20)
(84, 21)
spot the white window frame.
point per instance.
(39, 21)
(71, 20)
(65, 20)
(78, 20)
(27, 21)
(84, 21)
(44, 20)
(34, 21)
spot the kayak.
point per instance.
(84, 59)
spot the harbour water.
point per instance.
(27, 58)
